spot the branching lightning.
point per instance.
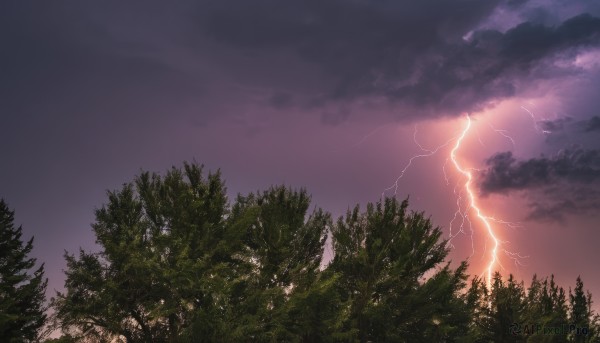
(426, 153)
(473, 204)
(535, 125)
(466, 201)
(503, 133)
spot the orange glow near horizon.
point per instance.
(473, 203)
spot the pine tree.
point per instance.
(506, 308)
(546, 306)
(582, 316)
(579, 309)
(21, 290)
(477, 302)
(559, 315)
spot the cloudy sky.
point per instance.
(335, 96)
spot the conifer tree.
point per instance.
(506, 308)
(582, 316)
(477, 302)
(22, 289)
(546, 306)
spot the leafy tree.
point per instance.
(160, 265)
(178, 264)
(392, 285)
(21, 292)
(279, 258)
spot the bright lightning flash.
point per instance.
(470, 203)
(473, 204)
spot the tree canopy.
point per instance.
(180, 262)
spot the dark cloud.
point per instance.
(504, 173)
(413, 52)
(555, 125)
(555, 203)
(566, 129)
(426, 55)
(593, 124)
(281, 100)
(335, 115)
(72, 69)
(565, 183)
(516, 3)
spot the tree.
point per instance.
(161, 263)
(581, 315)
(506, 308)
(21, 290)
(178, 264)
(546, 306)
(278, 259)
(392, 284)
(478, 305)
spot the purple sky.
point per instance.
(317, 94)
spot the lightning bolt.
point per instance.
(535, 125)
(473, 203)
(503, 133)
(426, 153)
(466, 201)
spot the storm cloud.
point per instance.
(423, 54)
(435, 58)
(504, 173)
(91, 91)
(593, 124)
(568, 182)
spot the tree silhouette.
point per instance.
(21, 290)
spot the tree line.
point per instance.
(178, 262)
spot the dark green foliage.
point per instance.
(477, 302)
(21, 290)
(161, 241)
(506, 308)
(178, 263)
(281, 249)
(582, 315)
(391, 285)
(541, 314)
(546, 304)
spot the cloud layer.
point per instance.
(566, 183)
(428, 55)
(433, 57)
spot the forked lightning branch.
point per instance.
(467, 203)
